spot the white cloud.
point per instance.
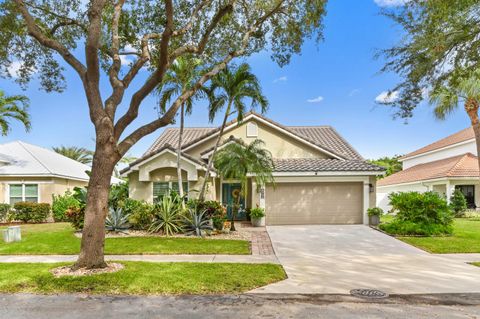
(391, 3)
(315, 100)
(387, 97)
(280, 79)
(14, 69)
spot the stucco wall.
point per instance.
(469, 147)
(382, 200)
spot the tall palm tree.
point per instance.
(13, 107)
(230, 88)
(181, 77)
(448, 98)
(239, 161)
(79, 154)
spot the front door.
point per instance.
(469, 192)
(230, 193)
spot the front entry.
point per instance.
(469, 192)
(230, 193)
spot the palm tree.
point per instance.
(467, 91)
(79, 154)
(239, 161)
(181, 77)
(13, 107)
(231, 87)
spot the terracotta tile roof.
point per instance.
(465, 165)
(322, 136)
(462, 136)
(322, 164)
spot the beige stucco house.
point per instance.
(32, 173)
(320, 178)
(442, 166)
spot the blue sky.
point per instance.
(335, 83)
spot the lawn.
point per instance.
(59, 239)
(465, 239)
(143, 278)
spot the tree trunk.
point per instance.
(179, 154)
(471, 107)
(201, 197)
(93, 234)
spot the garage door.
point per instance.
(314, 203)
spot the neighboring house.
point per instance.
(448, 164)
(32, 173)
(320, 178)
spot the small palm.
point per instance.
(79, 154)
(13, 107)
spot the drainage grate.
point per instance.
(368, 293)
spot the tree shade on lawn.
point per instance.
(53, 239)
(142, 278)
(92, 39)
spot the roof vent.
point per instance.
(252, 129)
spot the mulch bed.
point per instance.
(68, 271)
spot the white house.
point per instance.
(447, 164)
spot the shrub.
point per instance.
(116, 220)
(4, 212)
(118, 195)
(196, 222)
(257, 212)
(31, 212)
(419, 214)
(60, 205)
(213, 210)
(76, 216)
(167, 215)
(458, 203)
(140, 213)
(375, 211)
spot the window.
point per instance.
(252, 129)
(162, 188)
(23, 193)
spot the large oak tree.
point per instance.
(44, 36)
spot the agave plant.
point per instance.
(196, 222)
(116, 220)
(168, 215)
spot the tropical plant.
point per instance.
(375, 211)
(167, 215)
(213, 210)
(228, 90)
(118, 195)
(61, 203)
(13, 107)
(93, 38)
(140, 213)
(182, 76)
(257, 212)
(391, 164)
(79, 154)
(76, 216)
(117, 220)
(458, 203)
(239, 160)
(196, 222)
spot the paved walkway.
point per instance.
(248, 259)
(338, 258)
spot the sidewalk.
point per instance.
(247, 259)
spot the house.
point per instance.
(448, 164)
(32, 173)
(319, 177)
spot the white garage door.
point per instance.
(314, 203)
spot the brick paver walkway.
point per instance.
(261, 244)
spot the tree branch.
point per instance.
(35, 31)
(193, 16)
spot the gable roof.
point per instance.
(23, 159)
(324, 165)
(459, 137)
(465, 165)
(323, 137)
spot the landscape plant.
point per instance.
(257, 212)
(196, 222)
(458, 203)
(4, 211)
(61, 203)
(140, 213)
(213, 210)
(29, 212)
(14, 107)
(167, 214)
(416, 213)
(117, 220)
(95, 39)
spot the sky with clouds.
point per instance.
(334, 83)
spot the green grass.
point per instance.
(143, 278)
(58, 239)
(465, 239)
(476, 264)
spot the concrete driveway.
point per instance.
(338, 258)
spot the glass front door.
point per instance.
(230, 193)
